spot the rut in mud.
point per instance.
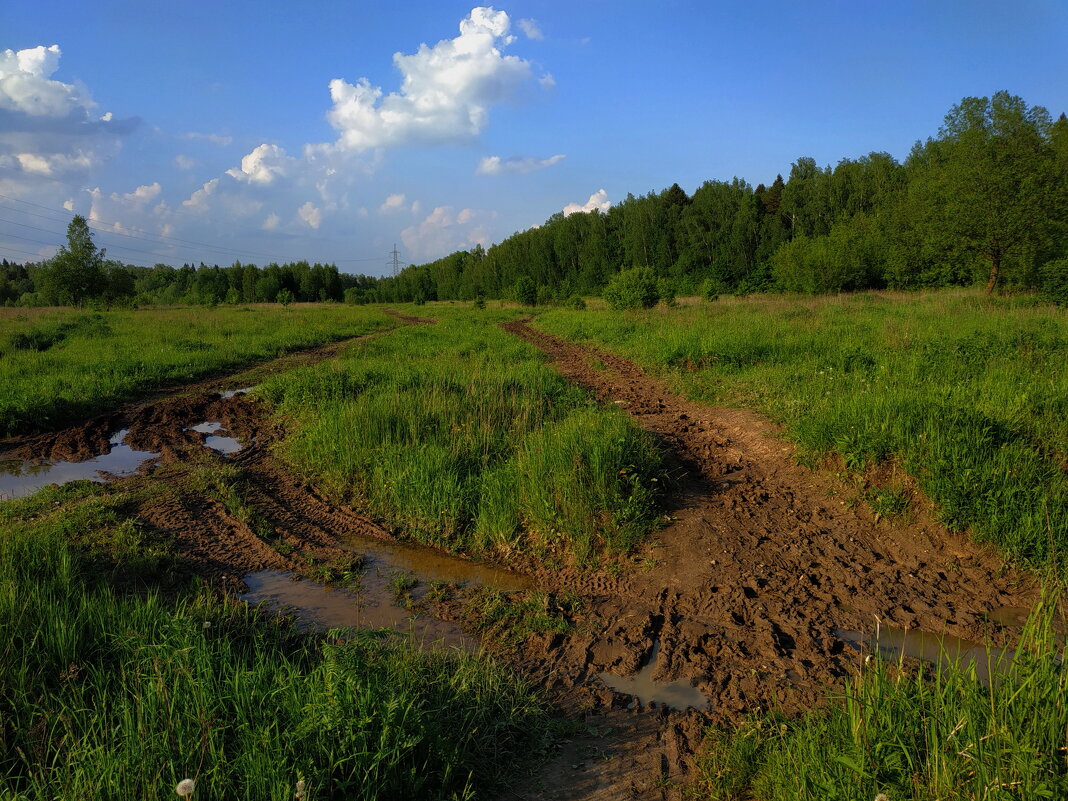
(763, 567)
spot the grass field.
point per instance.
(460, 434)
(60, 365)
(113, 686)
(967, 395)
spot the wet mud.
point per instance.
(753, 584)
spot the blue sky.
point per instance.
(268, 131)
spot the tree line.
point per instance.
(985, 201)
(80, 273)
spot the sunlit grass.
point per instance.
(62, 364)
(107, 694)
(459, 434)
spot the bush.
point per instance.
(1055, 282)
(525, 291)
(711, 289)
(480, 301)
(665, 287)
(575, 303)
(632, 289)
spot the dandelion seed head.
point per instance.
(185, 788)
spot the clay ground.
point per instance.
(746, 589)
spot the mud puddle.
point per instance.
(230, 393)
(19, 478)
(317, 606)
(938, 649)
(397, 577)
(219, 444)
(677, 694)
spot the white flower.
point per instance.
(185, 788)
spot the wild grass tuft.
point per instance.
(922, 734)
(459, 434)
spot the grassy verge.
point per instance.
(929, 734)
(64, 364)
(460, 434)
(111, 689)
(968, 395)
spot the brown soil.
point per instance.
(762, 563)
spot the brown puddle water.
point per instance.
(21, 478)
(317, 606)
(375, 605)
(942, 650)
(678, 694)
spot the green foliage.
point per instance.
(631, 289)
(927, 734)
(1055, 282)
(575, 303)
(479, 302)
(285, 297)
(461, 435)
(109, 695)
(76, 273)
(525, 291)
(60, 366)
(711, 289)
(968, 396)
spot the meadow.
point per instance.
(965, 395)
(61, 365)
(459, 434)
(118, 680)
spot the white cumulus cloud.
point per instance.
(263, 165)
(446, 90)
(442, 232)
(495, 165)
(26, 85)
(531, 29)
(392, 203)
(311, 216)
(598, 202)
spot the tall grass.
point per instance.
(107, 695)
(968, 395)
(924, 734)
(459, 433)
(64, 364)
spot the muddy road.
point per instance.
(758, 590)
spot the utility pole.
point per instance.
(396, 260)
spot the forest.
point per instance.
(983, 202)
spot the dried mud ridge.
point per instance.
(759, 568)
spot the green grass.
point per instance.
(460, 435)
(108, 694)
(919, 734)
(61, 365)
(968, 395)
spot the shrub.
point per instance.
(525, 291)
(711, 289)
(575, 303)
(665, 287)
(632, 289)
